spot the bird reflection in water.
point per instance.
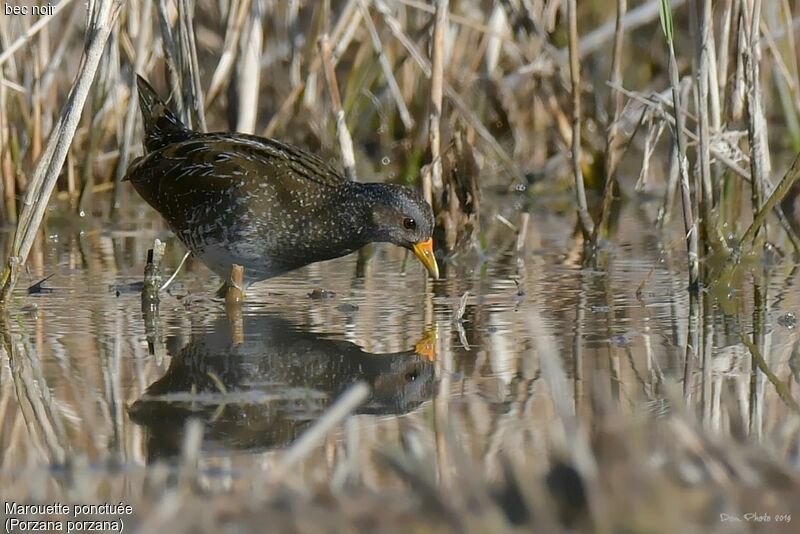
(261, 390)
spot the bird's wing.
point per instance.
(211, 168)
(211, 160)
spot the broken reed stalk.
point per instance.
(101, 21)
(612, 140)
(152, 277)
(701, 66)
(235, 286)
(234, 296)
(584, 218)
(342, 133)
(433, 179)
(680, 146)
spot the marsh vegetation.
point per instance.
(613, 343)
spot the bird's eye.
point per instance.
(409, 223)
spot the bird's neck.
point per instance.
(348, 211)
(369, 197)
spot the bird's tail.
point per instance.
(161, 125)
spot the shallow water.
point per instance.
(91, 376)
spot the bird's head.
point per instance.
(401, 216)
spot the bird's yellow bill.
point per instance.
(424, 252)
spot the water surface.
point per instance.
(91, 376)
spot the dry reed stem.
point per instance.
(32, 31)
(701, 66)
(99, 102)
(386, 67)
(463, 109)
(522, 232)
(656, 103)
(236, 19)
(36, 131)
(142, 40)
(755, 117)
(6, 164)
(612, 141)
(171, 57)
(635, 18)
(342, 133)
(458, 19)
(190, 69)
(683, 167)
(654, 130)
(333, 416)
(723, 49)
(57, 56)
(250, 72)
(736, 102)
(760, 217)
(714, 93)
(293, 33)
(342, 39)
(665, 211)
(433, 180)
(45, 176)
(780, 64)
(791, 47)
(584, 218)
